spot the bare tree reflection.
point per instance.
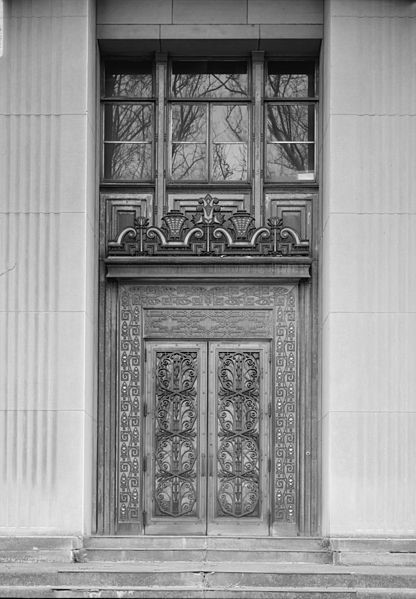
(289, 122)
(228, 140)
(230, 135)
(119, 82)
(208, 86)
(189, 139)
(131, 124)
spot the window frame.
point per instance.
(287, 101)
(247, 100)
(128, 100)
(257, 184)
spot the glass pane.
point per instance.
(209, 79)
(128, 122)
(290, 79)
(290, 122)
(290, 162)
(229, 123)
(189, 122)
(229, 162)
(189, 162)
(132, 162)
(128, 79)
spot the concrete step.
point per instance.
(215, 593)
(177, 593)
(241, 592)
(203, 548)
(38, 549)
(375, 551)
(198, 555)
(205, 542)
(207, 575)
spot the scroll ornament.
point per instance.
(208, 233)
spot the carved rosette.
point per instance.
(285, 410)
(129, 435)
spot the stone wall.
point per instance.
(47, 257)
(368, 283)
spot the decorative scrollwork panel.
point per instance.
(176, 434)
(208, 323)
(129, 424)
(238, 453)
(285, 410)
(209, 232)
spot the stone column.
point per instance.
(368, 278)
(47, 265)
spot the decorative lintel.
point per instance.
(207, 269)
(208, 233)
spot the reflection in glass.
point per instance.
(188, 161)
(290, 122)
(189, 122)
(290, 162)
(128, 161)
(128, 79)
(128, 122)
(209, 79)
(229, 162)
(290, 79)
(229, 123)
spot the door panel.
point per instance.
(238, 485)
(194, 420)
(175, 442)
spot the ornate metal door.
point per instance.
(207, 438)
(238, 406)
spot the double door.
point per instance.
(207, 438)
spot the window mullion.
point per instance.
(160, 154)
(257, 133)
(210, 149)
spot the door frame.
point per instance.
(307, 517)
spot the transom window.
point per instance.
(205, 113)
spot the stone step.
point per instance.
(316, 556)
(214, 593)
(381, 551)
(206, 575)
(205, 542)
(353, 558)
(38, 549)
(153, 592)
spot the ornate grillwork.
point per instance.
(285, 411)
(129, 433)
(208, 234)
(238, 460)
(176, 422)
